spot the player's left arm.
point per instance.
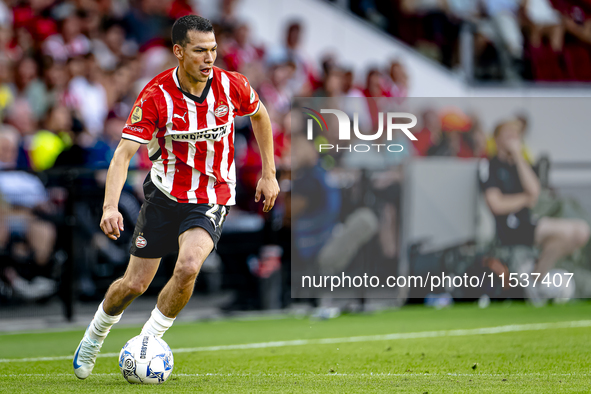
(267, 185)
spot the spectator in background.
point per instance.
(70, 42)
(399, 80)
(491, 144)
(7, 45)
(148, 22)
(577, 18)
(504, 29)
(77, 154)
(332, 83)
(276, 91)
(6, 92)
(179, 8)
(225, 15)
(30, 238)
(46, 144)
(240, 50)
(374, 88)
(511, 189)
(29, 86)
(544, 21)
(102, 152)
(119, 88)
(349, 88)
(111, 47)
(86, 93)
(20, 116)
(440, 29)
(55, 76)
(430, 135)
(303, 79)
(454, 124)
(34, 18)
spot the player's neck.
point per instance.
(190, 84)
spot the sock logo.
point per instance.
(140, 242)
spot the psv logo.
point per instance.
(221, 110)
(140, 242)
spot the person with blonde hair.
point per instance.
(511, 190)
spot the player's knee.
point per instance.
(136, 287)
(187, 267)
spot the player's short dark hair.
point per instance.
(186, 23)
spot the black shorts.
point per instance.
(162, 221)
(522, 235)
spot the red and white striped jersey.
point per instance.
(191, 139)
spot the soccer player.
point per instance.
(186, 116)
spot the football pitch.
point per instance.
(506, 348)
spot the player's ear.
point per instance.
(178, 51)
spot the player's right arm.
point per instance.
(112, 220)
(140, 125)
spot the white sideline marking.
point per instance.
(247, 374)
(365, 338)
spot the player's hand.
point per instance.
(112, 223)
(268, 187)
(514, 147)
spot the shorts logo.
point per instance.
(221, 111)
(140, 242)
(136, 115)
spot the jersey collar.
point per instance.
(205, 92)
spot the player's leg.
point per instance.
(121, 293)
(558, 238)
(195, 245)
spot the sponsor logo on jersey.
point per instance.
(133, 128)
(211, 134)
(136, 115)
(140, 242)
(221, 111)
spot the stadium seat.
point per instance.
(578, 62)
(546, 65)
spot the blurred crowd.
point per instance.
(542, 40)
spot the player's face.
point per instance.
(198, 55)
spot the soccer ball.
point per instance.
(146, 359)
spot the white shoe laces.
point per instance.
(88, 351)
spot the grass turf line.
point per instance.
(532, 361)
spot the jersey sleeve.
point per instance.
(486, 176)
(142, 120)
(248, 98)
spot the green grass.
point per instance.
(532, 361)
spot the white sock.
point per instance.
(101, 324)
(157, 324)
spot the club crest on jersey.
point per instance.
(221, 111)
(136, 115)
(140, 242)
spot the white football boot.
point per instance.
(85, 356)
